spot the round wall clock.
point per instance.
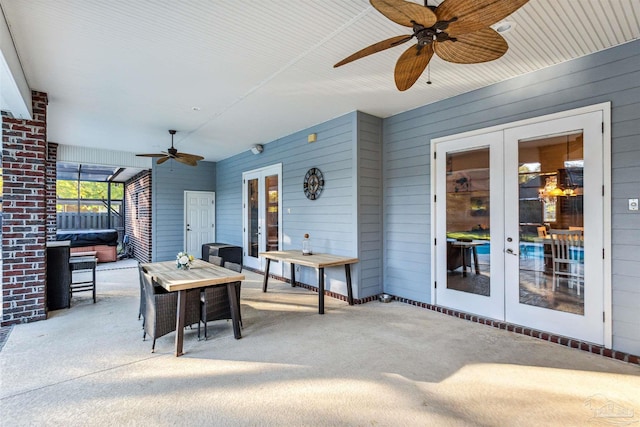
(313, 183)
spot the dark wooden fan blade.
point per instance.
(479, 46)
(164, 159)
(410, 66)
(151, 155)
(374, 48)
(473, 15)
(187, 156)
(405, 13)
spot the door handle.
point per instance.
(510, 252)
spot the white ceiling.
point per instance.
(120, 73)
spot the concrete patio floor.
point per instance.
(373, 364)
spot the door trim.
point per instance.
(605, 109)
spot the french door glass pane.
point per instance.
(271, 213)
(468, 219)
(253, 220)
(550, 182)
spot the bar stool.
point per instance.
(83, 264)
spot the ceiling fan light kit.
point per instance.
(173, 154)
(458, 31)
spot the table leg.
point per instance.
(475, 259)
(347, 271)
(235, 308)
(180, 319)
(266, 275)
(321, 290)
(94, 281)
(464, 261)
(293, 275)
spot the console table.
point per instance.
(317, 261)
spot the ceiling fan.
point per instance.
(172, 153)
(456, 30)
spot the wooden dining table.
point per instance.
(201, 275)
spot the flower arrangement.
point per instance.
(183, 260)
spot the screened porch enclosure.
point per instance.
(89, 197)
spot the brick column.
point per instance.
(24, 145)
(51, 176)
(137, 199)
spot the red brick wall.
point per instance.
(137, 195)
(24, 151)
(50, 177)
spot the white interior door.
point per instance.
(200, 223)
(262, 215)
(505, 199)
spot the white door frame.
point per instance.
(186, 218)
(605, 109)
(261, 173)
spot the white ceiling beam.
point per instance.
(15, 95)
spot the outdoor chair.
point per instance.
(567, 257)
(160, 309)
(214, 301)
(214, 259)
(233, 266)
(142, 307)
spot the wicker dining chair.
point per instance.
(233, 266)
(142, 306)
(214, 259)
(214, 302)
(161, 306)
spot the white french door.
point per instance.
(565, 155)
(504, 199)
(469, 214)
(262, 215)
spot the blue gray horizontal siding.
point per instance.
(369, 203)
(331, 220)
(169, 181)
(611, 75)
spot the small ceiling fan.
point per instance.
(172, 153)
(457, 31)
